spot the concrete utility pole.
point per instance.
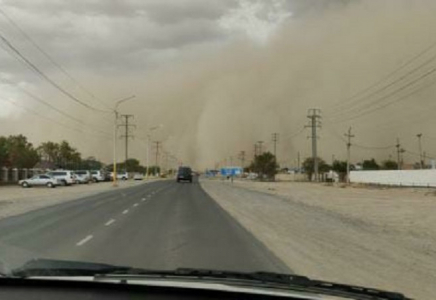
(298, 161)
(157, 155)
(349, 136)
(421, 160)
(399, 152)
(114, 179)
(255, 150)
(242, 158)
(275, 139)
(259, 147)
(314, 115)
(127, 135)
(424, 156)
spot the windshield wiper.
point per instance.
(48, 267)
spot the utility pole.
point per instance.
(421, 161)
(298, 161)
(349, 136)
(399, 152)
(157, 155)
(242, 158)
(424, 155)
(275, 139)
(314, 115)
(255, 150)
(259, 147)
(127, 135)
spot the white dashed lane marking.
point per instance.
(135, 205)
(109, 222)
(85, 240)
(125, 212)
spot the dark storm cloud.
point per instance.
(111, 33)
(177, 11)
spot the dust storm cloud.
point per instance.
(219, 104)
(217, 96)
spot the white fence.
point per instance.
(424, 178)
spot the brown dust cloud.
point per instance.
(365, 64)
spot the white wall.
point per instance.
(394, 177)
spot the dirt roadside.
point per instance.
(377, 238)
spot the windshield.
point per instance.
(285, 136)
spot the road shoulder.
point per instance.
(329, 245)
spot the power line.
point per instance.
(373, 147)
(40, 100)
(386, 96)
(359, 101)
(44, 76)
(31, 111)
(408, 62)
(49, 58)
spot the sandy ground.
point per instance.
(15, 200)
(371, 237)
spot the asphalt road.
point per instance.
(159, 225)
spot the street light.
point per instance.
(115, 137)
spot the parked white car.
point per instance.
(120, 175)
(39, 180)
(83, 176)
(97, 175)
(64, 176)
(138, 176)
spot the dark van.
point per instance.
(184, 174)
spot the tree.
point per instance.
(132, 165)
(340, 167)
(4, 154)
(49, 151)
(370, 165)
(21, 153)
(309, 166)
(265, 165)
(389, 165)
(153, 170)
(90, 163)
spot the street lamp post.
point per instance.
(114, 179)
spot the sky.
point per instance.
(211, 78)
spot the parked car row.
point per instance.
(55, 178)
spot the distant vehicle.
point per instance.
(120, 175)
(39, 180)
(64, 176)
(98, 175)
(138, 176)
(184, 174)
(83, 176)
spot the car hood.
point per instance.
(189, 284)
